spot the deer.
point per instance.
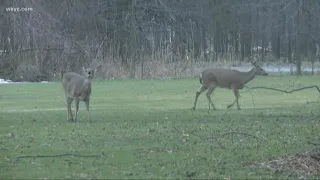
(77, 88)
(211, 78)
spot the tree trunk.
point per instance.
(133, 40)
(298, 39)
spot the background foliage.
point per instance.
(153, 38)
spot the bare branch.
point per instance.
(58, 155)
(314, 143)
(254, 105)
(3, 148)
(242, 133)
(285, 91)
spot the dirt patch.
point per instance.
(303, 163)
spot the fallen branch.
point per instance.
(312, 102)
(242, 133)
(314, 143)
(3, 148)
(285, 91)
(254, 105)
(57, 155)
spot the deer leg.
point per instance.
(199, 91)
(87, 107)
(69, 112)
(209, 92)
(236, 95)
(76, 104)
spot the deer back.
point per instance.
(220, 77)
(76, 85)
(226, 78)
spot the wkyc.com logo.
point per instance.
(17, 9)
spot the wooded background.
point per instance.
(153, 38)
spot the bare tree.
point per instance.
(82, 33)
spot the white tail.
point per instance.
(77, 88)
(226, 78)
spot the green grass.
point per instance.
(145, 129)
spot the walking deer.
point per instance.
(226, 78)
(77, 88)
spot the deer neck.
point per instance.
(248, 76)
(87, 81)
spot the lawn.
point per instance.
(146, 129)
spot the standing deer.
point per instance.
(226, 78)
(77, 88)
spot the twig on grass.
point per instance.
(57, 155)
(3, 148)
(313, 143)
(313, 102)
(285, 91)
(254, 105)
(242, 133)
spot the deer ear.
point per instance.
(97, 68)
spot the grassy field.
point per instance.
(146, 129)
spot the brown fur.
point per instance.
(225, 78)
(77, 88)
